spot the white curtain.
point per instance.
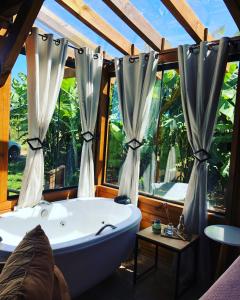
(135, 80)
(88, 75)
(201, 74)
(45, 66)
(170, 173)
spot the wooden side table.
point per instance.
(174, 245)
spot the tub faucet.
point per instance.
(45, 202)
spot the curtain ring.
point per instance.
(146, 57)
(95, 56)
(44, 37)
(80, 51)
(131, 59)
(57, 42)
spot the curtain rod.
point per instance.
(232, 41)
(80, 49)
(56, 41)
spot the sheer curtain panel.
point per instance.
(202, 71)
(88, 75)
(45, 66)
(135, 81)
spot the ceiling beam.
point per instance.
(90, 18)
(58, 25)
(188, 19)
(136, 21)
(11, 45)
(234, 9)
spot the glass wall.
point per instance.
(63, 141)
(166, 156)
(62, 146)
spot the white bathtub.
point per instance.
(71, 225)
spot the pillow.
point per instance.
(60, 288)
(28, 272)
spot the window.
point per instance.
(166, 156)
(116, 152)
(62, 146)
(63, 140)
(169, 166)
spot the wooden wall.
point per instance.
(4, 137)
(153, 209)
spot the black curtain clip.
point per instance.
(35, 140)
(201, 152)
(134, 144)
(86, 138)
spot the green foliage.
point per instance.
(63, 141)
(167, 128)
(15, 170)
(18, 120)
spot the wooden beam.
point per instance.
(4, 137)
(11, 45)
(234, 9)
(135, 20)
(185, 15)
(69, 73)
(90, 18)
(52, 21)
(102, 126)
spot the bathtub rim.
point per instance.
(90, 240)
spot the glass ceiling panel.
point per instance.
(215, 16)
(71, 20)
(107, 14)
(163, 21)
(212, 13)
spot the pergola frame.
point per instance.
(129, 14)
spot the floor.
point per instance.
(159, 285)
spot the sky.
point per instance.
(213, 14)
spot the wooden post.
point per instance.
(4, 137)
(11, 45)
(102, 126)
(205, 34)
(162, 44)
(132, 49)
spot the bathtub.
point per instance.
(71, 226)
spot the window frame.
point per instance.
(227, 199)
